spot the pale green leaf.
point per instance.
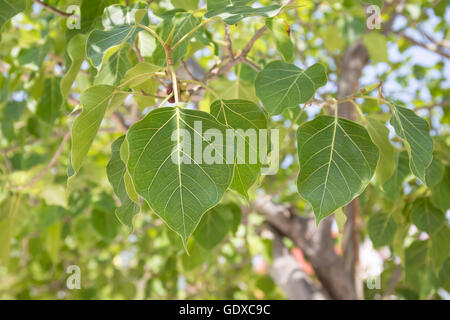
(114, 68)
(49, 105)
(337, 161)
(380, 136)
(139, 74)
(9, 8)
(178, 185)
(116, 171)
(281, 85)
(376, 44)
(282, 38)
(76, 50)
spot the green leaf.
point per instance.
(440, 193)
(380, 136)
(434, 173)
(178, 186)
(139, 74)
(116, 171)
(341, 218)
(76, 50)
(283, 41)
(53, 240)
(49, 105)
(417, 264)
(247, 116)
(94, 101)
(213, 227)
(105, 224)
(9, 9)
(337, 160)
(91, 14)
(281, 85)
(177, 25)
(425, 216)
(185, 4)
(14, 109)
(440, 247)
(414, 131)
(121, 27)
(376, 44)
(237, 89)
(381, 229)
(233, 11)
(393, 186)
(113, 70)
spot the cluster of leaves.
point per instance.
(118, 52)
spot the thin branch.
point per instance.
(119, 121)
(429, 46)
(252, 41)
(52, 9)
(228, 41)
(49, 165)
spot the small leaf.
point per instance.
(440, 193)
(116, 171)
(393, 186)
(233, 11)
(113, 70)
(178, 186)
(380, 136)
(213, 227)
(76, 50)
(245, 117)
(425, 216)
(139, 74)
(281, 85)
(414, 131)
(337, 160)
(434, 173)
(381, 229)
(283, 41)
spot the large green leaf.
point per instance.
(425, 216)
(214, 226)
(434, 173)
(76, 50)
(179, 187)
(247, 116)
(414, 132)
(116, 171)
(381, 229)
(337, 160)
(113, 70)
(49, 105)
(380, 136)
(233, 11)
(94, 101)
(8, 9)
(393, 186)
(281, 85)
(121, 27)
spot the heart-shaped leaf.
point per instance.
(178, 185)
(381, 229)
(337, 160)
(282, 85)
(425, 216)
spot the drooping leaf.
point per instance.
(381, 229)
(393, 186)
(213, 227)
(337, 160)
(116, 175)
(440, 193)
(139, 74)
(246, 118)
(233, 11)
(49, 105)
(426, 217)
(380, 136)
(179, 187)
(281, 85)
(113, 70)
(280, 31)
(76, 50)
(9, 9)
(94, 101)
(414, 131)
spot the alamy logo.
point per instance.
(237, 146)
(74, 280)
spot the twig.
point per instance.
(228, 41)
(429, 46)
(52, 9)
(252, 41)
(49, 165)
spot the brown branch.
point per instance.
(429, 46)
(228, 41)
(52, 9)
(49, 165)
(119, 121)
(252, 41)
